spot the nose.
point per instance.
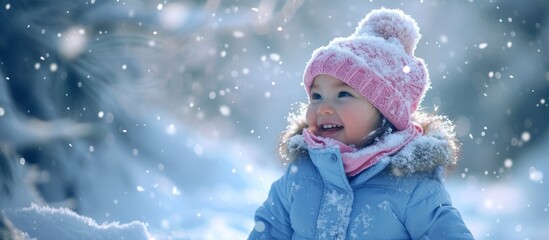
(325, 108)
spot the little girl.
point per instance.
(364, 163)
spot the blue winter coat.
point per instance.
(400, 197)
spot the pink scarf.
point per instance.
(356, 160)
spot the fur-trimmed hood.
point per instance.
(436, 148)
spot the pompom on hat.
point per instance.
(378, 61)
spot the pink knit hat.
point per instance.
(378, 61)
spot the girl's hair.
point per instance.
(297, 122)
(384, 129)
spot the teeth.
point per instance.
(328, 126)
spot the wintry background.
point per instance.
(159, 119)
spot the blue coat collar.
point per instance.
(330, 166)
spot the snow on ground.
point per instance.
(39, 222)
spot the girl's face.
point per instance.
(337, 111)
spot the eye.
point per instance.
(344, 94)
(315, 96)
